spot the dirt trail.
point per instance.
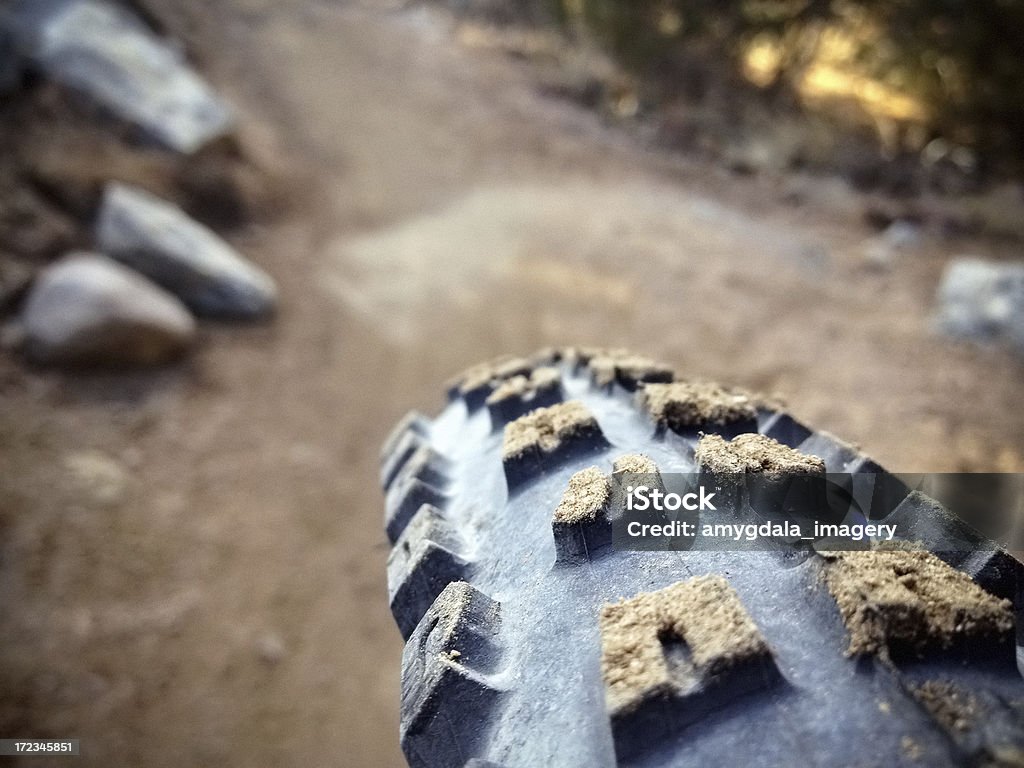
(192, 562)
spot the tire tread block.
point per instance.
(445, 669)
(672, 656)
(425, 559)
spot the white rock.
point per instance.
(107, 53)
(902, 235)
(89, 310)
(162, 242)
(102, 479)
(271, 648)
(983, 301)
(880, 252)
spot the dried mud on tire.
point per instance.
(518, 655)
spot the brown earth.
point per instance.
(192, 559)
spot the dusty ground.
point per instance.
(191, 570)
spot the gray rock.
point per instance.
(89, 310)
(983, 301)
(107, 53)
(160, 241)
(880, 253)
(902, 235)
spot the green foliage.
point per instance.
(963, 59)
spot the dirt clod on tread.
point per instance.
(953, 708)
(910, 748)
(547, 356)
(583, 355)
(634, 464)
(491, 373)
(546, 429)
(910, 599)
(751, 452)
(588, 493)
(610, 365)
(705, 613)
(449, 606)
(522, 387)
(687, 404)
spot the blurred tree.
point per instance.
(957, 66)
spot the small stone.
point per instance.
(901, 236)
(100, 477)
(162, 242)
(877, 257)
(814, 258)
(982, 301)
(88, 310)
(270, 648)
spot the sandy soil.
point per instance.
(192, 560)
